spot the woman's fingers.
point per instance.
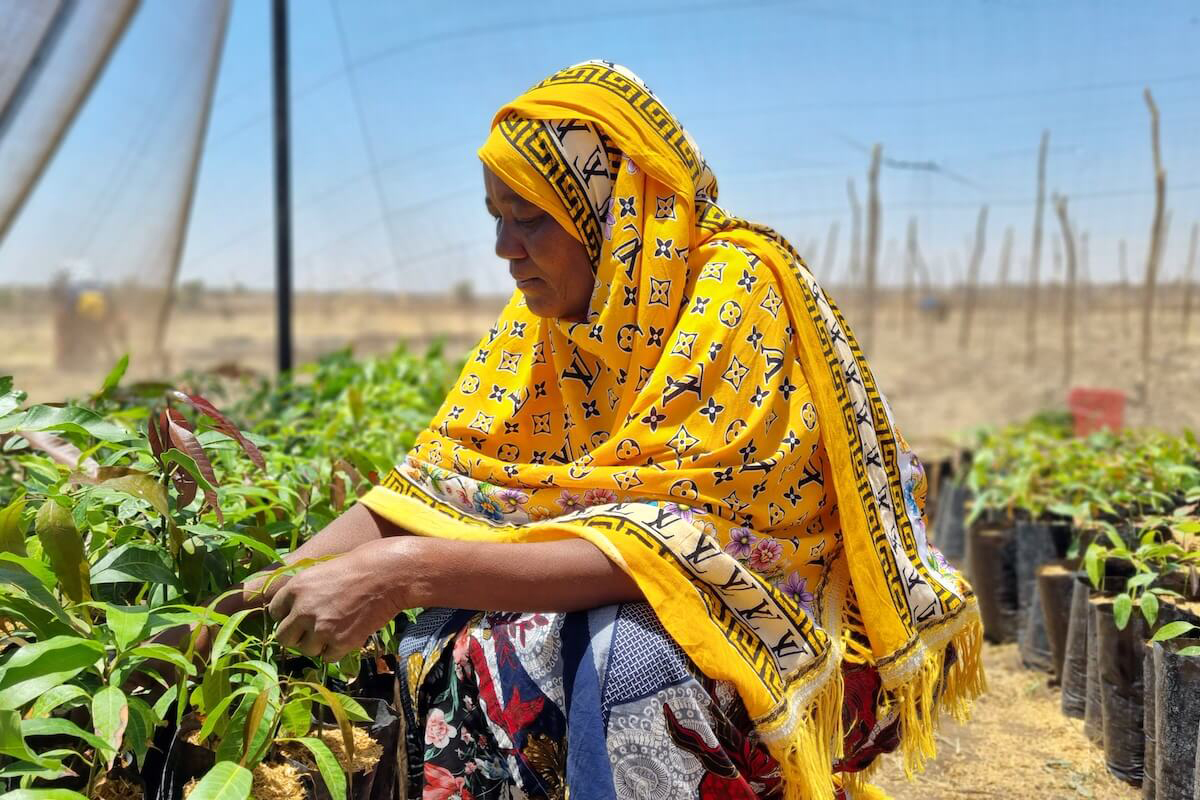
(281, 604)
(292, 630)
(311, 644)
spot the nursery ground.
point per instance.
(1017, 742)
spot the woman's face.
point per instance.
(551, 267)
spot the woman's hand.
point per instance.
(329, 609)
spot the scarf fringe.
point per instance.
(809, 742)
(934, 689)
(856, 787)
(921, 700)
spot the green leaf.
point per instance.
(110, 717)
(43, 794)
(327, 765)
(128, 626)
(56, 697)
(189, 465)
(339, 714)
(235, 744)
(1093, 562)
(253, 723)
(12, 527)
(10, 399)
(36, 668)
(1149, 605)
(221, 640)
(12, 742)
(140, 733)
(70, 419)
(354, 710)
(296, 717)
(1140, 580)
(62, 543)
(1190, 651)
(1172, 630)
(162, 652)
(144, 487)
(48, 726)
(114, 375)
(1122, 607)
(135, 563)
(215, 716)
(35, 567)
(225, 781)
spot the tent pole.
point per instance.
(283, 186)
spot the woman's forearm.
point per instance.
(568, 575)
(356, 527)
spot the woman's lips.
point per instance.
(525, 283)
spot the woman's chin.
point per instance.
(539, 305)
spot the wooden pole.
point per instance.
(907, 298)
(1123, 297)
(855, 233)
(1060, 204)
(1005, 259)
(964, 333)
(872, 266)
(830, 252)
(1155, 252)
(1084, 282)
(1035, 257)
(1189, 279)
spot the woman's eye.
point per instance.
(529, 222)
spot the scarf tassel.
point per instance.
(921, 700)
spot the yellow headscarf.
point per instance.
(711, 426)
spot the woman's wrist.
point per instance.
(403, 569)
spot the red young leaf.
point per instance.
(156, 443)
(223, 425)
(184, 440)
(185, 486)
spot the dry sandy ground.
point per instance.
(936, 386)
(1017, 745)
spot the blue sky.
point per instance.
(784, 99)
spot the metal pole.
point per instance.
(283, 186)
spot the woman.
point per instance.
(668, 475)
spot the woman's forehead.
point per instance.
(498, 192)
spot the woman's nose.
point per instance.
(508, 245)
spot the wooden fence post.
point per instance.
(1155, 250)
(1060, 204)
(1123, 297)
(872, 265)
(855, 234)
(964, 333)
(1035, 257)
(1189, 279)
(830, 253)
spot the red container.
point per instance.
(1096, 409)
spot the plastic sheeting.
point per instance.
(50, 81)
